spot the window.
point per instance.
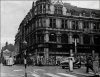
(64, 24)
(86, 39)
(96, 25)
(86, 24)
(52, 37)
(40, 38)
(40, 8)
(64, 38)
(75, 25)
(52, 23)
(97, 39)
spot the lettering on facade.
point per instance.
(59, 46)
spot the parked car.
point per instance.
(65, 64)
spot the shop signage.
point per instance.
(59, 46)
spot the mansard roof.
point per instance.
(79, 9)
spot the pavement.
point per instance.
(82, 71)
(43, 71)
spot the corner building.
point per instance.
(55, 30)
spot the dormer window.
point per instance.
(93, 14)
(83, 13)
(58, 10)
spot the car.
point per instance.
(65, 64)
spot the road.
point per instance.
(37, 71)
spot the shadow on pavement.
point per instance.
(94, 76)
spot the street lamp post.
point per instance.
(75, 43)
(75, 46)
(25, 61)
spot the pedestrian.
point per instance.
(71, 61)
(89, 64)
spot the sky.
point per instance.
(13, 12)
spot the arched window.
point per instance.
(64, 38)
(86, 39)
(52, 37)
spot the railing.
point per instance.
(96, 30)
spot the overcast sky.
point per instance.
(13, 12)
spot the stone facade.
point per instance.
(51, 29)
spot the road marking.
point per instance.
(39, 70)
(68, 75)
(35, 75)
(6, 74)
(18, 70)
(52, 75)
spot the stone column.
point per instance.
(91, 26)
(70, 24)
(81, 39)
(70, 42)
(92, 40)
(70, 39)
(52, 8)
(46, 37)
(46, 55)
(80, 25)
(47, 22)
(36, 56)
(46, 50)
(58, 37)
(58, 22)
(93, 54)
(64, 10)
(71, 52)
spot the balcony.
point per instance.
(95, 31)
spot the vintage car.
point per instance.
(65, 64)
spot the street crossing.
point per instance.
(42, 72)
(67, 75)
(55, 75)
